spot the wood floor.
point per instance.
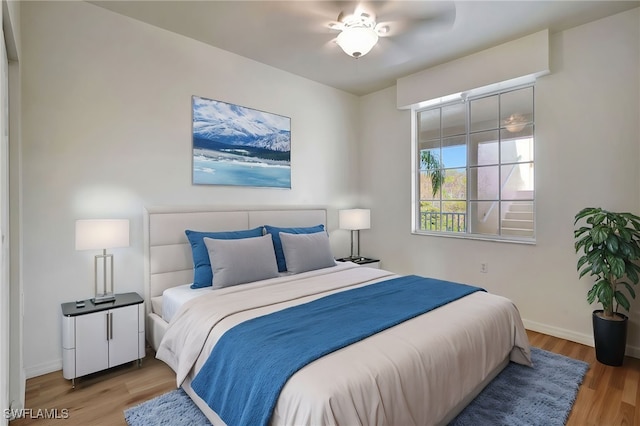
(608, 396)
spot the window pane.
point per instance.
(429, 124)
(429, 160)
(516, 147)
(518, 219)
(484, 216)
(454, 216)
(454, 152)
(426, 188)
(454, 120)
(483, 183)
(516, 109)
(429, 216)
(455, 184)
(433, 144)
(484, 114)
(517, 182)
(483, 148)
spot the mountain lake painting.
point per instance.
(235, 145)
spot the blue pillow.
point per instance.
(277, 244)
(202, 273)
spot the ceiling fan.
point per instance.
(360, 30)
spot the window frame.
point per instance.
(466, 99)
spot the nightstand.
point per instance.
(97, 337)
(364, 261)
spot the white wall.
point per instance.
(106, 131)
(106, 119)
(587, 151)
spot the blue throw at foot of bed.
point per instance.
(243, 376)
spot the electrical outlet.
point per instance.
(484, 267)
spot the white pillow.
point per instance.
(306, 252)
(241, 261)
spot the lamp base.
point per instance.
(103, 298)
(351, 258)
(359, 260)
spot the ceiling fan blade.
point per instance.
(319, 16)
(330, 45)
(400, 10)
(394, 53)
(402, 17)
(390, 28)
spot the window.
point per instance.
(475, 162)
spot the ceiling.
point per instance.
(294, 35)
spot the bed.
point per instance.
(424, 370)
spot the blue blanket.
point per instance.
(248, 367)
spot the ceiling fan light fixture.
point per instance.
(515, 123)
(357, 41)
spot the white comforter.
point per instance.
(414, 373)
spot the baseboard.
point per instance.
(633, 351)
(585, 339)
(44, 368)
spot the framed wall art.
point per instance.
(236, 145)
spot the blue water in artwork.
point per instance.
(234, 171)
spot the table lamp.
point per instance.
(102, 234)
(355, 220)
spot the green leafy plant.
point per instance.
(610, 243)
(433, 167)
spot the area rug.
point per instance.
(519, 396)
(542, 395)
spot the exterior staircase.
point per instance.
(518, 220)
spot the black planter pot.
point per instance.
(610, 339)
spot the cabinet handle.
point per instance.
(110, 325)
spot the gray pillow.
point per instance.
(306, 252)
(241, 261)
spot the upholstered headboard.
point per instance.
(168, 260)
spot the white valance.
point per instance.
(524, 58)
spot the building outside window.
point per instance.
(475, 162)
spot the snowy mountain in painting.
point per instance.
(228, 124)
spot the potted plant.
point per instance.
(610, 243)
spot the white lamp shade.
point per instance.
(354, 219)
(357, 41)
(100, 234)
